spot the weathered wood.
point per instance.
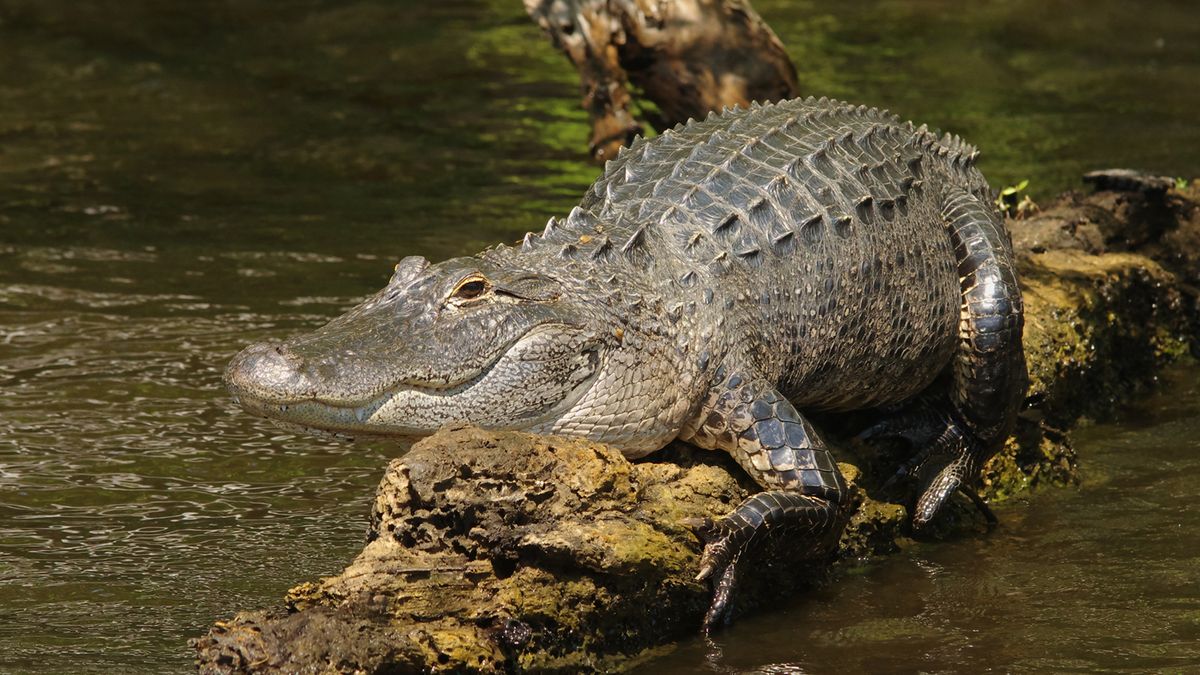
(687, 57)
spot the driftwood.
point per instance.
(687, 57)
(500, 551)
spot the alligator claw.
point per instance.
(718, 561)
(983, 507)
(720, 611)
(704, 528)
(716, 549)
(910, 468)
(807, 519)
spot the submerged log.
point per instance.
(687, 57)
(502, 551)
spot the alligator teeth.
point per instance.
(361, 414)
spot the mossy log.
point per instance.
(502, 551)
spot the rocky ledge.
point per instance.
(502, 551)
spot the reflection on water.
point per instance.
(179, 181)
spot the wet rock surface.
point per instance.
(502, 551)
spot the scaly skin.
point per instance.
(713, 283)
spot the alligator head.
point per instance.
(462, 340)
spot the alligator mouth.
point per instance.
(350, 418)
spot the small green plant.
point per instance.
(1010, 197)
(1181, 183)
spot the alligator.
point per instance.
(714, 285)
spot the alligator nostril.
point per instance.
(267, 370)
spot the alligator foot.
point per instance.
(728, 538)
(947, 459)
(719, 561)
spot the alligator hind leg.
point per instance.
(804, 493)
(988, 375)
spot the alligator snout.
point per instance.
(267, 371)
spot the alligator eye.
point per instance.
(470, 289)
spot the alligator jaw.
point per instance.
(322, 419)
(267, 380)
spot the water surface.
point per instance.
(180, 179)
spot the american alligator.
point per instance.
(713, 283)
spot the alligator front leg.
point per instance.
(804, 490)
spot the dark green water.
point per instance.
(178, 181)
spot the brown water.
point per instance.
(176, 182)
